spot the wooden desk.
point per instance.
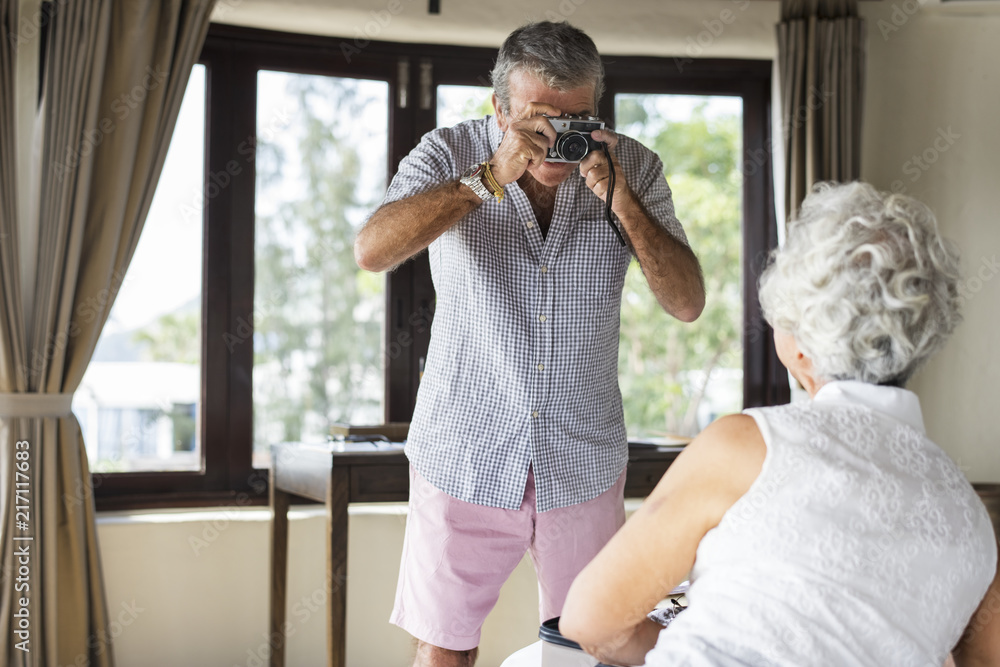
(318, 473)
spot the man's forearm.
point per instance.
(670, 267)
(401, 229)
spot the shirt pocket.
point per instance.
(595, 259)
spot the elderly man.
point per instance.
(518, 441)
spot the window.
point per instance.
(458, 103)
(299, 145)
(139, 402)
(676, 378)
(318, 319)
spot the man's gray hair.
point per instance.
(864, 283)
(560, 56)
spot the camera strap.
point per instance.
(611, 193)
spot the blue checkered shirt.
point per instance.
(523, 361)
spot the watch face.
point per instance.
(473, 171)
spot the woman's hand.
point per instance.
(630, 648)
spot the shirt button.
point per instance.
(534, 414)
(529, 224)
(541, 367)
(542, 318)
(545, 269)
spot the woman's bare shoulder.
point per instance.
(719, 465)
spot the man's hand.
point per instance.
(594, 169)
(526, 142)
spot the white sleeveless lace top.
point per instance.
(860, 543)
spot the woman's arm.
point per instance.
(607, 604)
(980, 643)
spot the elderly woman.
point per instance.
(827, 532)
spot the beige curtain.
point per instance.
(821, 69)
(115, 74)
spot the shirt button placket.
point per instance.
(542, 345)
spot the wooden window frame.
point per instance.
(233, 56)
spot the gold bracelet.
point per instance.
(497, 190)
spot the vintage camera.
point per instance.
(573, 142)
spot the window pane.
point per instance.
(322, 146)
(139, 402)
(676, 377)
(458, 103)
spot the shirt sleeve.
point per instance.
(430, 164)
(651, 186)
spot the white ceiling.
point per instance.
(726, 28)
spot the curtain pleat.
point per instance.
(11, 378)
(11, 324)
(821, 61)
(100, 161)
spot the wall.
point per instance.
(931, 130)
(705, 28)
(191, 588)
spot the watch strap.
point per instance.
(474, 179)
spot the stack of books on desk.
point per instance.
(380, 437)
(366, 445)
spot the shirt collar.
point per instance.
(494, 133)
(900, 404)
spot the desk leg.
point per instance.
(279, 569)
(337, 495)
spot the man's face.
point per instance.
(525, 89)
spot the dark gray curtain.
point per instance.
(821, 69)
(92, 201)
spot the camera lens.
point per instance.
(572, 146)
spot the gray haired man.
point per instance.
(518, 441)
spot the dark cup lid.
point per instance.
(549, 632)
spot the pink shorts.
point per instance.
(457, 555)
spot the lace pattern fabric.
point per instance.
(860, 543)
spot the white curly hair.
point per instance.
(865, 284)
